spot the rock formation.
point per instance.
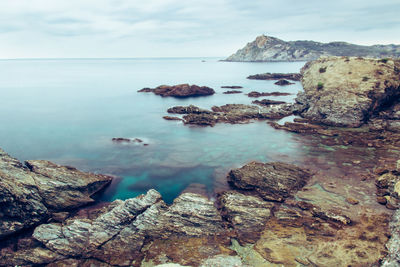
(267, 102)
(258, 94)
(232, 92)
(267, 48)
(180, 90)
(347, 92)
(272, 181)
(276, 76)
(30, 194)
(231, 113)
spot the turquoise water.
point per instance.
(67, 111)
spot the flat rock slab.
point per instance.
(272, 181)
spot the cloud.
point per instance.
(131, 28)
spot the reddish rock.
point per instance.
(180, 90)
(258, 94)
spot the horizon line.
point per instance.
(102, 58)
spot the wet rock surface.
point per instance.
(272, 181)
(231, 113)
(232, 92)
(180, 90)
(267, 102)
(276, 76)
(348, 91)
(258, 94)
(232, 87)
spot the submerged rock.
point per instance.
(232, 92)
(342, 91)
(232, 87)
(267, 102)
(272, 181)
(180, 90)
(276, 76)
(29, 194)
(258, 94)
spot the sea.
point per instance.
(68, 110)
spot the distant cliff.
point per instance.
(267, 48)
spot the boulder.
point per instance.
(346, 92)
(64, 187)
(29, 194)
(272, 181)
(232, 87)
(180, 90)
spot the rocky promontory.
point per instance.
(180, 90)
(268, 48)
(342, 91)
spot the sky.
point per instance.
(184, 28)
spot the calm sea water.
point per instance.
(67, 111)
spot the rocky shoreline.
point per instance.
(274, 214)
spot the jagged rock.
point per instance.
(258, 94)
(267, 48)
(188, 110)
(272, 181)
(223, 261)
(180, 90)
(29, 194)
(231, 113)
(276, 76)
(267, 102)
(232, 92)
(64, 187)
(335, 94)
(307, 128)
(232, 87)
(246, 214)
(393, 257)
(283, 82)
(115, 234)
(121, 139)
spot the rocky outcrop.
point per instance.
(393, 257)
(347, 92)
(231, 113)
(30, 194)
(276, 76)
(267, 48)
(64, 187)
(180, 90)
(272, 181)
(116, 234)
(258, 94)
(246, 214)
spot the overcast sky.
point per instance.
(182, 28)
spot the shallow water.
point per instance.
(67, 111)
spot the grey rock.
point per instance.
(272, 181)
